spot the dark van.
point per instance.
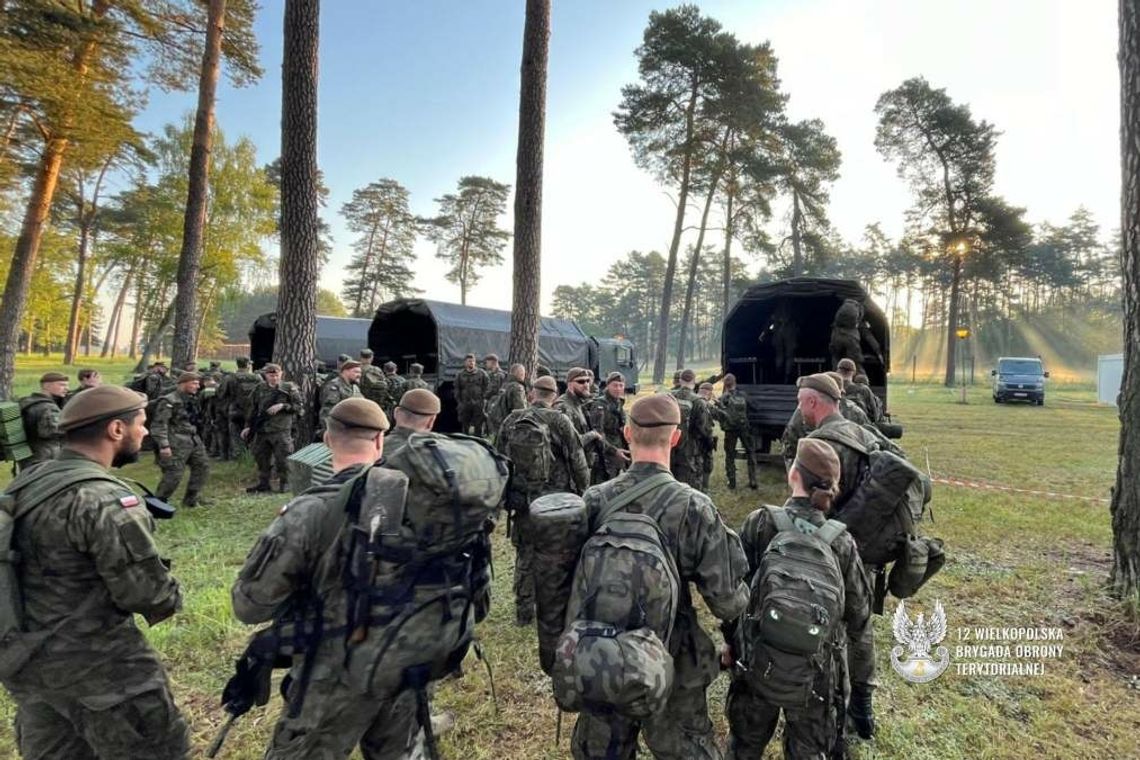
(1019, 378)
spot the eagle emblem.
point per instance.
(912, 658)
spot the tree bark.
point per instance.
(729, 231)
(797, 250)
(190, 260)
(1125, 509)
(295, 345)
(153, 344)
(687, 309)
(112, 340)
(72, 342)
(675, 244)
(527, 254)
(952, 320)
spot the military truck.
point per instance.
(335, 336)
(778, 331)
(439, 335)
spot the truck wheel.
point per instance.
(997, 400)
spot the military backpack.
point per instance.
(613, 656)
(795, 610)
(240, 392)
(735, 410)
(531, 451)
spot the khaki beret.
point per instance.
(576, 372)
(546, 383)
(706, 387)
(862, 379)
(366, 353)
(389, 366)
(360, 412)
(420, 401)
(655, 411)
(839, 381)
(821, 382)
(614, 377)
(349, 364)
(242, 361)
(53, 377)
(415, 368)
(818, 458)
(271, 367)
(688, 376)
(845, 365)
(101, 403)
(186, 377)
(469, 356)
(729, 380)
(541, 370)
(491, 357)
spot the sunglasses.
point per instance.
(581, 382)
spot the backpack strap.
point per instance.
(630, 495)
(830, 530)
(841, 437)
(781, 518)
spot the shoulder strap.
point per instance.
(37, 492)
(830, 530)
(627, 497)
(781, 518)
(841, 438)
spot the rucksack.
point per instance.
(498, 410)
(530, 449)
(686, 406)
(557, 527)
(17, 646)
(138, 383)
(735, 410)
(887, 504)
(848, 314)
(613, 656)
(242, 389)
(13, 441)
(795, 610)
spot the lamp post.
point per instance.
(963, 333)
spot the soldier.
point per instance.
(848, 408)
(566, 471)
(696, 432)
(511, 396)
(542, 371)
(415, 378)
(178, 439)
(813, 730)
(93, 687)
(340, 387)
(216, 371)
(284, 564)
(676, 381)
(877, 412)
(207, 402)
(574, 403)
(233, 401)
(470, 390)
(496, 377)
(272, 409)
(88, 378)
(607, 416)
(706, 553)
(706, 392)
(415, 413)
(373, 383)
(819, 398)
(158, 381)
(733, 416)
(860, 395)
(396, 385)
(40, 414)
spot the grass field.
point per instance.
(1015, 559)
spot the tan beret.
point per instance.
(100, 403)
(416, 368)
(491, 357)
(546, 383)
(53, 377)
(389, 366)
(840, 382)
(360, 412)
(655, 411)
(349, 364)
(420, 401)
(845, 365)
(271, 367)
(186, 377)
(818, 458)
(821, 382)
(614, 377)
(469, 356)
(688, 376)
(706, 387)
(729, 379)
(576, 372)
(366, 353)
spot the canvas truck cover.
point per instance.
(335, 336)
(439, 335)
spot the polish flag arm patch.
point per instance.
(129, 501)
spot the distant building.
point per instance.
(1109, 373)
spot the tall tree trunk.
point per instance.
(675, 244)
(72, 342)
(527, 254)
(694, 265)
(797, 243)
(952, 320)
(136, 319)
(1125, 509)
(117, 316)
(295, 347)
(153, 345)
(729, 231)
(190, 260)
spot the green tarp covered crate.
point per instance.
(310, 466)
(13, 444)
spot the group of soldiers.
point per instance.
(99, 690)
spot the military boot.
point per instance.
(190, 500)
(261, 487)
(282, 485)
(732, 484)
(860, 710)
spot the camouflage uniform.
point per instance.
(233, 399)
(607, 416)
(687, 459)
(175, 427)
(158, 384)
(496, 379)
(272, 439)
(332, 393)
(733, 417)
(708, 554)
(865, 399)
(810, 732)
(40, 414)
(512, 396)
(396, 389)
(333, 718)
(415, 380)
(569, 473)
(852, 411)
(96, 689)
(577, 409)
(374, 386)
(470, 390)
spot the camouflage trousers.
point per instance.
(237, 445)
(185, 451)
(861, 657)
(334, 720)
(471, 418)
(61, 726)
(222, 437)
(524, 568)
(607, 466)
(690, 473)
(682, 731)
(271, 452)
(809, 732)
(744, 437)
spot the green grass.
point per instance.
(1014, 560)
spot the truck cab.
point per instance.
(1019, 378)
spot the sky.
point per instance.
(426, 92)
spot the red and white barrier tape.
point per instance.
(1010, 489)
